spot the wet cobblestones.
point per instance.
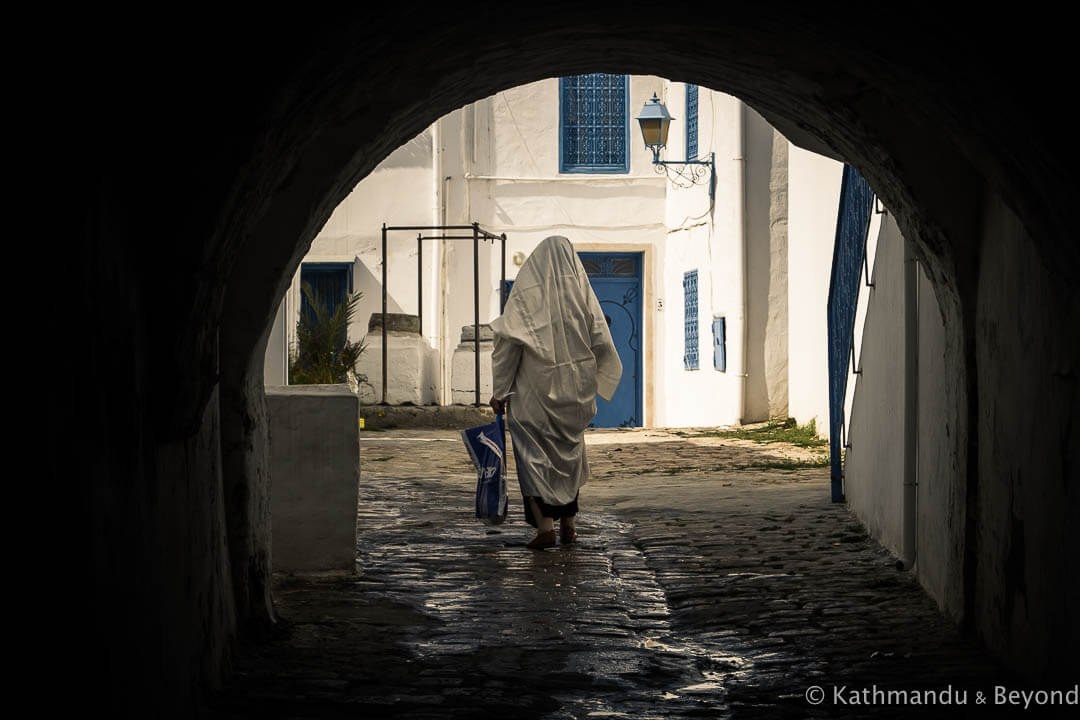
(705, 592)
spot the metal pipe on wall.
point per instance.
(476, 306)
(741, 260)
(420, 284)
(384, 314)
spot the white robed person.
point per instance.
(552, 355)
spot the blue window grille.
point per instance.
(691, 121)
(690, 303)
(719, 334)
(594, 123)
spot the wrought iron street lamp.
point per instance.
(655, 121)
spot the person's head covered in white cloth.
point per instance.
(552, 354)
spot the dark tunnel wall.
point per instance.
(217, 147)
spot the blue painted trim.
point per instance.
(595, 169)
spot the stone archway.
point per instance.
(269, 123)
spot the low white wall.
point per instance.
(874, 466)
(315, 471)
(463, 385)
(409, 365)
(813, 201)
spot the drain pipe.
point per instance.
(441, 189)
(741, 250)
(911, 402)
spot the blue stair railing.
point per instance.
(849, 255)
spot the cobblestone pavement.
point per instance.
(705, 583)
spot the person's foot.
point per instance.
(567, 534)
(543, 541)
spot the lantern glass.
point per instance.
(653, 132)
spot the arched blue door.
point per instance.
(616, 280)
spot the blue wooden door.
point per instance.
(616, 280)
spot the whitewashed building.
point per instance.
(716, 290)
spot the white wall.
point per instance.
(766, 271)
(706, 239)
(874, 465)
(940, 507)
(813, 202)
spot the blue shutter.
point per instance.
(719, 334)
(690, 304)
(691, 122)
(594, 123)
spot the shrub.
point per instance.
(323, 353)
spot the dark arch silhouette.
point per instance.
(219, 146)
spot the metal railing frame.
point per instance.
(477, 233)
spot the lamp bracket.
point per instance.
(685, 173)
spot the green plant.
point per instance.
(323, 353)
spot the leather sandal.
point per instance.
(543, 541)
(567, 536)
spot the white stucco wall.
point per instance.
(939, 538)
(706, 239)
(874, 466)
(813, 201)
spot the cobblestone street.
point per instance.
(708, 581)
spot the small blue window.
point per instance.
(691, 122)
(594, 123)
(719, 334)
(330, 282)
(690, 303)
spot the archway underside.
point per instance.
(273, 123)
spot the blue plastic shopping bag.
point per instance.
(487, 447)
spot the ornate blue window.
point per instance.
(690, 305)
(594, 123)
(691, 121)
